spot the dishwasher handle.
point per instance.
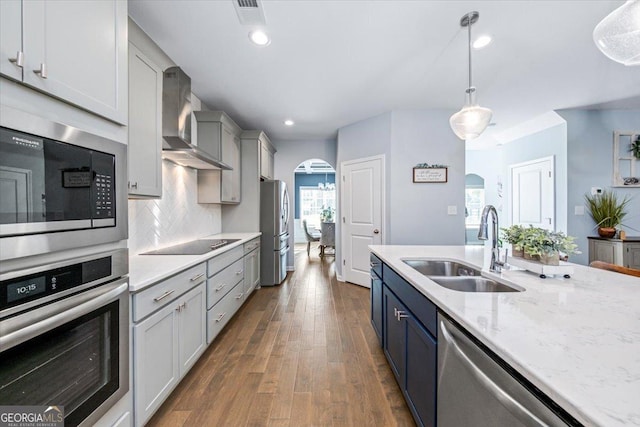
(509, 402)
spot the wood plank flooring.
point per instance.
(299, 354)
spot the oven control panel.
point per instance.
(20, 290)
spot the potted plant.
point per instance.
(515, 236)
(607, 211)
(326, 215)
(635, 147)
(547, 246)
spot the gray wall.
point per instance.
(289, 155)
(414, 213)
(491, 164)
(590, 164)
(418, 212)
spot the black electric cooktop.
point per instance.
(196, 247)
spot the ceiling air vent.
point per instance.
(250, 12)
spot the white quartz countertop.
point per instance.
(576, 339)
(146, 270)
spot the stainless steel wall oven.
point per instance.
(65, 335)
(60, 187)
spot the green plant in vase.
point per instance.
(515, 236)
(548, 246)
(607, 211)
(635, 147)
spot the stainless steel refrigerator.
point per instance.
(274, 224)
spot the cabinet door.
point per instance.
(192, 327)
(155, 361)
(421, 368)
(632, 255)
(394, 334)
(251, 272)
(230, 179)
(145, 125)
(264, 161)
(376, 305)
(10, 38)
(79, 50)
(605, 251)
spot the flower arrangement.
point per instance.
(514, 235)
(326, 215)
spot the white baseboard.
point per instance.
(339, 277)
(290, 268)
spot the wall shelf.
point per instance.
(625, 165)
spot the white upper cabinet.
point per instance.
(219, 136)
(11, 55)
(72, 50)
(145, 126)
(266, 157)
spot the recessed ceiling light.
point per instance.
(259, 37)
(289, 122)
(482, 41)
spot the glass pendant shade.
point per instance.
(471, 120)
(618, 34)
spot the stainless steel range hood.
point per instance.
(176, 124)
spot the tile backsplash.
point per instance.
(176, 217)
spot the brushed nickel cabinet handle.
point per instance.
(42, 71)
(219, 288)
(193, 279)
(220, 317)
(163, 296)
(18, 61)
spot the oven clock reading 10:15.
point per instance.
(26, 288)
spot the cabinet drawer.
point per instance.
(423, 309)
(158, 295)
(251, 245)
(220, 284)
(219, 315)
(222, 261)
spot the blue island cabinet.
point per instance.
(409, 340)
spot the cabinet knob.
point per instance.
(376, 231)
(18, 60)
(42, 71)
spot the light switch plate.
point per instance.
(578, 210)
(452, 210)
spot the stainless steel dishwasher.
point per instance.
(474, 390)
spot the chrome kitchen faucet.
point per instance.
(496, 265)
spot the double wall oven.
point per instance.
(64, 299)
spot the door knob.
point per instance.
(376, 231)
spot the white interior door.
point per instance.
(362, 215)
(532, 193)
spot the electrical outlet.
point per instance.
(596, 190)
(452, 210)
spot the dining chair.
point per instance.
(617, 268)
(310, 237)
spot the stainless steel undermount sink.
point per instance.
(457, 276)
(438, 267)
(472, 284)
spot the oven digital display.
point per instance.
(26, 288)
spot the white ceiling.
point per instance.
(333, 63)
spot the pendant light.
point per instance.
(472, 119)
(618, 34)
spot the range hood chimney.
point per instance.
(176, 124)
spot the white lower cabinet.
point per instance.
(218, 316)
(168, 342)
(251, 266)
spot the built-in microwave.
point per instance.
(60, 187)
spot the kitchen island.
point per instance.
(577, 340)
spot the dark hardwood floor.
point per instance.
(299, 354)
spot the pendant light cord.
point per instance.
(469, 47)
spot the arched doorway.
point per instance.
(314, 197)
